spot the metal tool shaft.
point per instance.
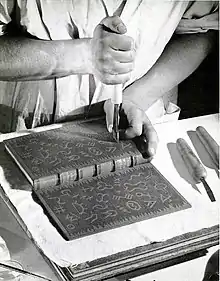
(116, 100)
(208, 190)
(116, 122)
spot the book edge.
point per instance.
(15, 157)
(51, 213)
(34, 181)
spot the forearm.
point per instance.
(31, 59)
(180, 58)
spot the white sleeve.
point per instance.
(200, 16)
(6, 8)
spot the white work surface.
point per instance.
(203, 213)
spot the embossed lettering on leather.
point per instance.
(57, 163)
(105, 202)
(72, 152)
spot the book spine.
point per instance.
(46, 181)
(101, 169)
(138, 159)
(71, 175)
(68, 176)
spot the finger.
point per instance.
(114, 24)
(109, 111)
(113, 68)
(111, 79)
(135, 121)
(120, 42)
(150, 139)
(122, 56)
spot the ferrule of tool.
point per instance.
(116, 100)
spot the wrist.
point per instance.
(140, 94)
(73, 57)
(86, 55)
(133, 94)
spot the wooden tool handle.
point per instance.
(193, 164)
(209, 143)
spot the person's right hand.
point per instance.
(112, 51)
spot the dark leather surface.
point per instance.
(73, 146)
(111, 200)
(105, 202)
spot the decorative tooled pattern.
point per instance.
(74, 146)
(105, 202)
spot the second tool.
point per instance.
(194, 166)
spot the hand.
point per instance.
(136, 126)
(112, 51)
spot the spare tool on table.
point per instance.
(194, 166)
(209, 143)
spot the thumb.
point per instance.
(109, 111)
(114, 24)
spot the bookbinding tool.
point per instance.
(116, 100)
(194, 166)
(209, 143)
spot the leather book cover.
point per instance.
(101, 203)
(75, 151)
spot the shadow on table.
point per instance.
(180, 165)
(10, 174)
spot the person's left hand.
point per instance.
(136, 126)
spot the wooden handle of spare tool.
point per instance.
(191, 161)
(209, 143)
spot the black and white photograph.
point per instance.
(109, 140)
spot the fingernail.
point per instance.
(121, 28)
(110, 127)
